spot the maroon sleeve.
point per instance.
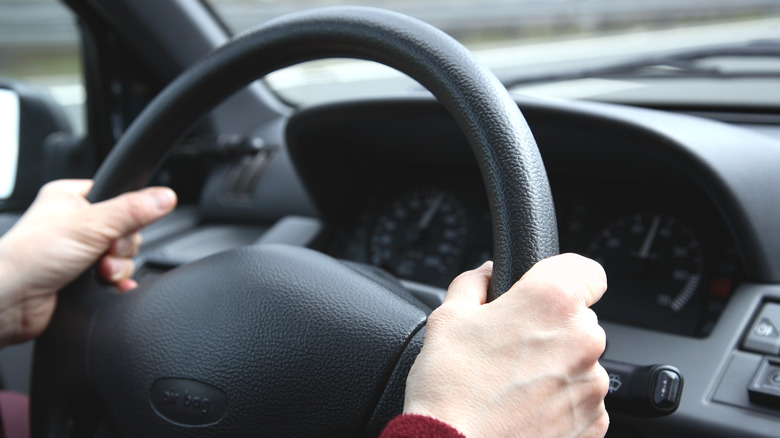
(419, 426)
(14, 415)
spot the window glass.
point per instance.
(39, 46)
(9, 141)
(524, 37)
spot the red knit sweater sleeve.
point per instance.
(418, 426)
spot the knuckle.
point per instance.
(594, 341)
(485, 269)
(601, 381)
(459, 278)
(129, 246)
(115, 247)
(598, 389)
(596, 275)
(49, 186)
(591, 266)
(49, 190)
(560, 299)
(137, 239)
(591, 343)
(600, 274)
(580, 276)
(601, 424)
(130, 268)
(126, 271)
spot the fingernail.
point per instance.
(164, 199)
(127, 285)
(116, 269)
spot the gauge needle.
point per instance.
(426, 219)
(644, 252)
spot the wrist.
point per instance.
(12, 289)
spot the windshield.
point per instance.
(548, 47)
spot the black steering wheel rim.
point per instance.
(515, 179)
(524, 224)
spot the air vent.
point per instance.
(243, 175)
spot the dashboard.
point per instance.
(676, 208)
(396, 187)
(670, 259)
(670, 266)
(674, 211)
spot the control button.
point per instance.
(765, 387)
(764, 335)
(644, 391)
(666, 390)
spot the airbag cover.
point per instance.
(298, 344)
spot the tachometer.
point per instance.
(654, 268)
(420, 235)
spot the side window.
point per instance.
(9, 141)
(39, 45)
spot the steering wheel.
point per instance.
(275, 340)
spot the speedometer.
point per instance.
(654, 268)
(420, 235)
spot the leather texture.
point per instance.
(298, 343)
(391, 402)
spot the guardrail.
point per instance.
(34, 24)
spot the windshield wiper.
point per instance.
(685, 63)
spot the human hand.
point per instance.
(58, 238)
(525, 364)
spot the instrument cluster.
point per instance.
(669, 261)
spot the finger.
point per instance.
(603, 381)
(126, 246)
(126, 285)
(592, 342)
(115, 269)
(79, 187)
(470, 287)
(132, 211)
(599, 422)
(571, 273)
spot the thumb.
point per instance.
(132, 211)
(470, 288)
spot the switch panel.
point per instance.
(764, 334)
(765, 387)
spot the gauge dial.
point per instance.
(420, 235)
(654, 267)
